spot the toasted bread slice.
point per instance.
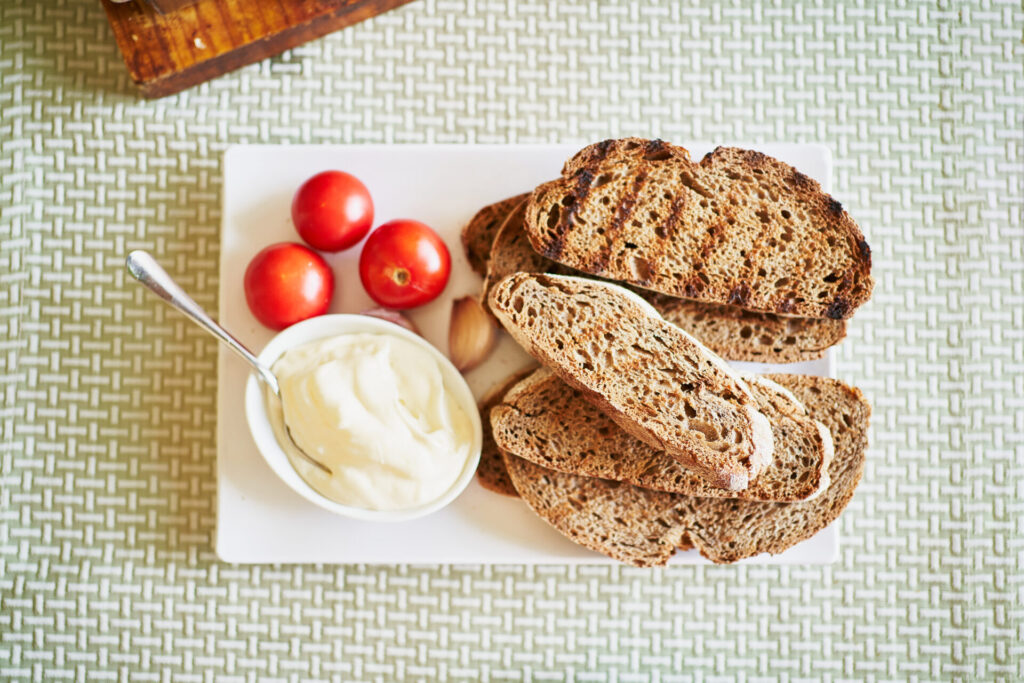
(644, 528)
(491, 472)
(737, 334)
(545, 421)
(656, 381)
(737, 228)
(729, 331)
(478, 233)
(627, 523)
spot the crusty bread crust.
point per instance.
(478, 233)
(737, 228)
(544, 420)
(644, 528)
(654, 380)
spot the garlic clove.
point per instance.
(471, 334)
(392, 317)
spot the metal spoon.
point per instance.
(146, 270)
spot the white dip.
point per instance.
(374, 409)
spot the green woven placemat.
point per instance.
(107, 420)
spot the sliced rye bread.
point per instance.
(655, 380)
(737, 228)
(738, 334)
(730, 530)
(729, 331)
(491, 472)
(478, 233)
(544, 420)
(627, 523)
(644, 528)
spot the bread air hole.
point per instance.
(553, 215)
(658, 155)
(602, 180)
(706, 429)
(642, 271)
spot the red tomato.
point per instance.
(332, 211)
(404, 264)
(286, 283)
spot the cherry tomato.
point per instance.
(286, 283)
(332, 211)
(404, 264)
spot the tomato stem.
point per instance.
(400, 276)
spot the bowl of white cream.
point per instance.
(391, 419)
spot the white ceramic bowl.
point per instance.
(331, 326)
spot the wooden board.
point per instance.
(167, 53)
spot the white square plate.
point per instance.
(259, 519)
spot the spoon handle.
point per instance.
(146, 270)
